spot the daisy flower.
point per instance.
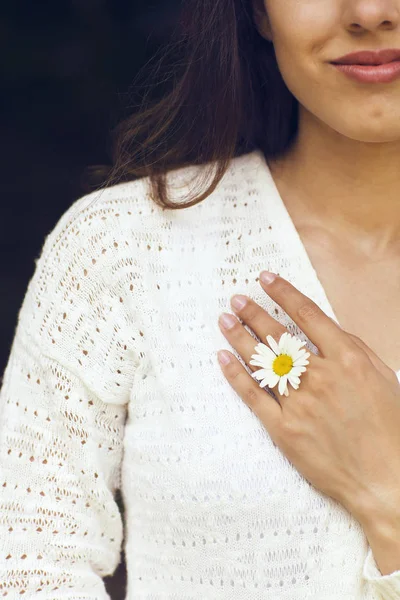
(285, 362)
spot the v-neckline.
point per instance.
(297, 246)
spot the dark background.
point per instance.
(65, 70)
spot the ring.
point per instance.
(283, 362)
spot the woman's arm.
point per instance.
(62, 414)
(340, 429)
(60, 452)
(384, 541)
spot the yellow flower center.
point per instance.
(282, 364)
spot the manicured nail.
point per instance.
(239, 301)
(227, 320)
(224, 357)
(267, 277)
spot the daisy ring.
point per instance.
(282, 363)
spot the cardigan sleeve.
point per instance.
(386, 587)
(63, 407)
(60, 449)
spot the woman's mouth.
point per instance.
(384, 73)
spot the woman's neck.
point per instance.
(348, 187)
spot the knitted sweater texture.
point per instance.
(113, 383)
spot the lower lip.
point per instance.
(371, 73)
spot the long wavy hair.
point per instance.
(225, 97)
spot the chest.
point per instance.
(364, 294)
(205, 488)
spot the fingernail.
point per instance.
(223, 357)
(227, 320)
(267, 277)
(239, 301)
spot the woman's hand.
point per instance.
(341, 427)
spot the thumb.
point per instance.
(378, 363)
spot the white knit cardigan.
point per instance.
(113, 382)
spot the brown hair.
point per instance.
(226, 98)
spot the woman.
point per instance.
(281, 485)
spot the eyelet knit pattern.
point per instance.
(113, 382)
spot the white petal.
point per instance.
(299, 353)
(291, 349)
(284, 342)
(282, 384)
(273, 380)
(273, 345)
(258, 347)
(260, 374)
(293, 379)
(257, 360)
(296, 371)
(261, 362)
(301, 343)
(264, 374)
(301, 361)
(293, 346)
(298, 365)
(265, 351)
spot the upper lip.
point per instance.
(369, 57)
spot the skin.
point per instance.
(342, 176)
(347, 153)
(340, 180)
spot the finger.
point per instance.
(318, 327)
(374, 358)
(258, 319)
(258, 400)
(245, 344)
